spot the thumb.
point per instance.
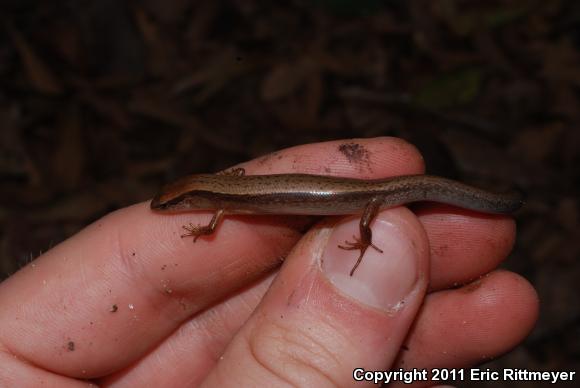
(317, 325)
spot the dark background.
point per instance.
(102, 101)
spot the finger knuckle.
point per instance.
(293, 354)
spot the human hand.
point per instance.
(127, 302)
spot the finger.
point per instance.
(187, 356)
(317, 324)
(472, 324)
(15, 373)
(105, 297)
(464, 244)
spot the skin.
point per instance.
(188, 314)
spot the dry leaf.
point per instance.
(39, 74)
(69, 157)
(284, 80)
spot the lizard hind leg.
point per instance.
(365, 240)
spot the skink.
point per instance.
(234, 192)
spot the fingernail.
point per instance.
(382, 280)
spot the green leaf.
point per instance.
(459, 87)
(504, 16)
